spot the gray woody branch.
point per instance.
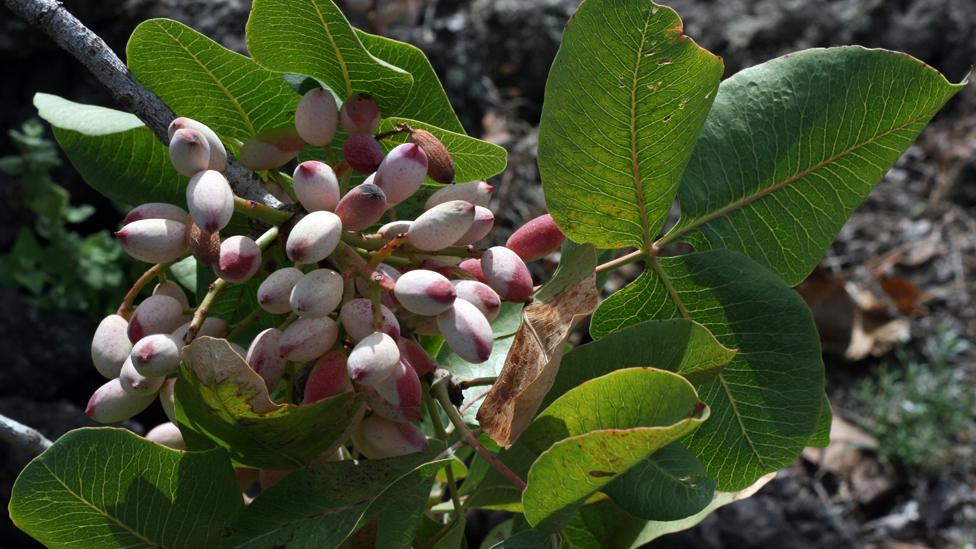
(17, 434)
(85, 46)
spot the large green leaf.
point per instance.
(576, 263)
(473, 158)
(792, 146)
(670, 485)
(111, 488)
(313, 38)
(114, 151)
(426, 101)
(601, 525)
(626, 96)
(322, 505)
(219, 397)
(200, 79)
(598, 431)
(765, 402)
(676, 345)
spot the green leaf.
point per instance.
(473, 158)
(821, 435)
(200, 79)
(115, 153)
(670, 485)
(219, 397)
(684, 347)
(426, 101)
(322, 505)
(185, 273)
(765, 402)
(599, 430)
(626, 96)
(600, 525)
(313, 38)
(111, 488)
(526, 539)
(792, 146)
(576, 263)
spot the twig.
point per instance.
(74, 37)
(19, 435)
(435, 420)
(620, 261)
(125, 309)
(468, 382)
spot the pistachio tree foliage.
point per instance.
(366, 370)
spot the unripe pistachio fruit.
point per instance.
(153, 240)
(480, 295)
(394, 229)
(401, 172)
(356, 317)
(157, 314)
(157, 355)
(377, 437)
(189, 152)
(308, 338)
(362, 152)
(167, 398)
(483, 222)
(475, 192)
(136, 383)
(110, 403)
(274, 293)
(466, 331)
(328, 377)
(442, 225)
(218, 154)
(362, 206)
(440, 165)
(240, 258)
(398, 396)
(507, 274)
(424, 292)
(413, 355)
(373, 359)
(156, 210)
(316, 117)
(473, 267)
(316, 186)
(172, 289)
(167, 434)
(110, 346)
(210, 200)
(360, 114)
(264, 357)
(536, 239)
(317, 293)
(314, 237)
(212, 327)
(271, 149)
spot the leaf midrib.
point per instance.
(681, 230)
(335, 47)
(634, 164)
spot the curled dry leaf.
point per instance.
(214, 362)
(533, 361)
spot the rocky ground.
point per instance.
(896, 282)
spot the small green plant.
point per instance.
(920, 410)
(331, 339)
(52, 263)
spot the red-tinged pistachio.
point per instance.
(316, 117)
(212, 327)
(136, 383)
(440, 165)
(373, 359)
(317, 293)
(110, 346)
(398, 396)
(328, 377)
(475, 192)
(156, 210)
(413, 355)
(210, 200)
(356, 317)
(484, 220)
(362, 206)
(157, 314)
(268, 478)
(441, 226)
(167, 398)
(386, 277)
(466, 331)
(536, 239)
(507, 274)
(167, 434)
(473, 267)
(362, 152)
(240, 258)
(307, 339)
(450, 269)
(110, 403)
(401, 173)
(204, 246)
(156, 355)
(153, 240)
(316, 186)
(314, 237)
(172, 289)
(245, 477)
(218, 155)
(480, 295)
(189, 152)
(360, 114)
(274, 293)
(271, 149)
(394, 229)
(424, 292)
(377, 437)
(264, 357)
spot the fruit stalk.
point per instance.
(126, 308)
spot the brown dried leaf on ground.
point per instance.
(533, 361)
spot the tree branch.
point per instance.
(88, 48)
(19, 435)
